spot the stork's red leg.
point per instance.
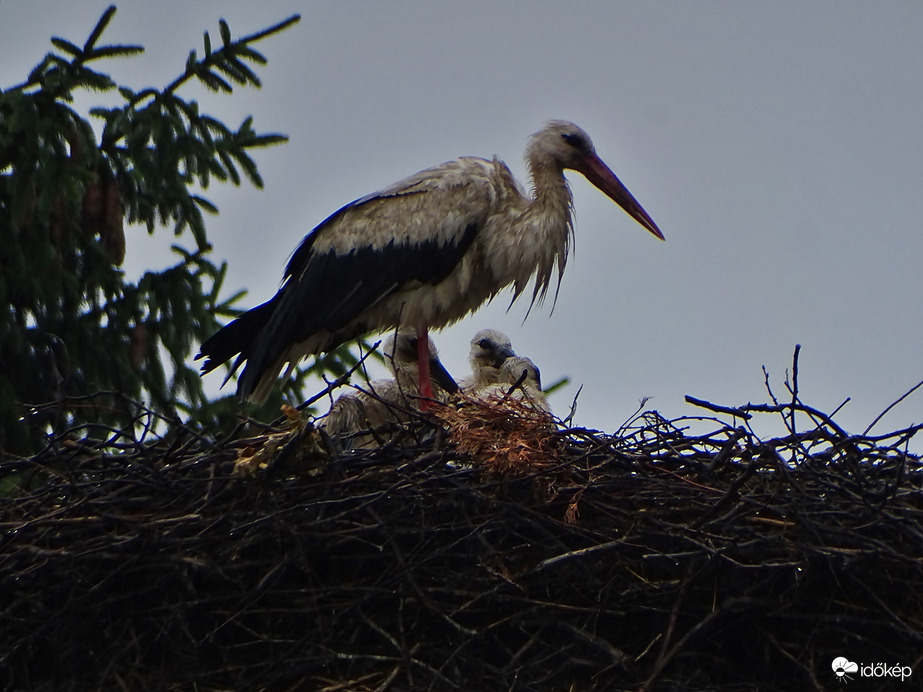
(426, 387)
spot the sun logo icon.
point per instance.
(842, 667)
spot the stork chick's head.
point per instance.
(518, 379)
(562, 145)
(522, 371)
(400, 351)
(489, 349)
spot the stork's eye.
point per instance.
(485, 344)
(575, 141)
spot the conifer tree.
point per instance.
(79, 343)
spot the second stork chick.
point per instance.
(517, 378)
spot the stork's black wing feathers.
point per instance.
(329, 283)
(329, 291)
(303, 253)
(333, 289)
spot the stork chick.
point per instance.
(517, 378)
(385, 402)
(489, 349)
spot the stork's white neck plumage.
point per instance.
(548, 222)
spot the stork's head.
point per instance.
(489, 348)
(565, 146)
(400, 350)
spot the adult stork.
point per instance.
(420, 254)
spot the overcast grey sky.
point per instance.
(777, 145)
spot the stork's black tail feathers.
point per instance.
(238, 336)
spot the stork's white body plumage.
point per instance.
(420, 254)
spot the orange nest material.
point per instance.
(504, 436)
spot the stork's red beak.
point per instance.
(602, 177)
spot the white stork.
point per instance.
(420, 254)
(386, 401)
(489, 349)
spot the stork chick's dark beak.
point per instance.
(598, 173)
(501, 354)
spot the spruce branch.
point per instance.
(229, 59)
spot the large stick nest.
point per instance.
(482, 548)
